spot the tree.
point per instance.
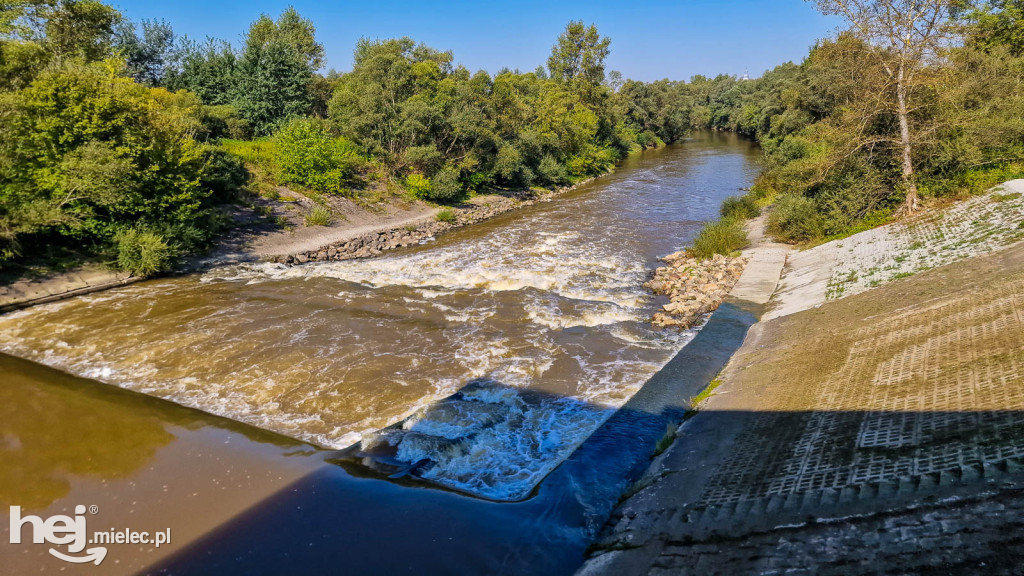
(87, 155)
(149, 55)
(387, 102)
(998, 23)
(578, 55)
(903, 39)
(271, 84)
(292, 29)
(78, 28)
(207, 69)
(37, 33)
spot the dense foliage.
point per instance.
(92, 159)
(830, 126)
(121, 138)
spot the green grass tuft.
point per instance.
(445, 215)
(724, 237)
(318, 216)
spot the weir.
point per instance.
(543, 309)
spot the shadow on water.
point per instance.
(56, 428)
(353, 518)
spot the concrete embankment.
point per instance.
(26, 292)
(865, 426)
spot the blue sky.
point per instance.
(650, 40)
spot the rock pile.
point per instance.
(694, 287)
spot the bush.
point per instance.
(223, 173)
(318, 216)
(86, 156)
(509, 167)
(795, 218)
(724, 236)
(224, 122)
(144, 252)
(425, 159)
(445, 215)
(307, 155)
(739, 208)
(447, 186)
(418, 185)
(552, 172)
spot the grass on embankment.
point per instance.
(727, 235)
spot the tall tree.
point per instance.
(578, 55)
(208, 69)
(904, 38)
(148, 55)
(292, 29)
(998, 23)
(271, 84)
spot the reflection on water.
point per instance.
(49, 436)
(548, 299)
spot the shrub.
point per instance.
(224, 122)
(143, 252)
(307, 155)
(223, 173)
(795, 218)
(591, 161)
(418, 185)
(445, 215)
(86, 154)
(447, 187)
(318, 216)
(739, 207)
(509, 167)
(724, 236)
(551, 171)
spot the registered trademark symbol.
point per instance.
(94, 509)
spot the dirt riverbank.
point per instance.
(356, 232)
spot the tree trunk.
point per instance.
(908, 166)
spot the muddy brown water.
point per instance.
(538, 317)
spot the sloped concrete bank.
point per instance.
(874, 430)
(82, 280)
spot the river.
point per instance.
(499, 348)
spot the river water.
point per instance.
(498, 349)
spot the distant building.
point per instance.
(745, 76)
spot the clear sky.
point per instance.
(650, 39)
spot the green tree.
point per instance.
(206, 69)
(271, 83)
(902, 39)
(291, 29)
(148, 55)
(88, 154)
(578, 55)
(386, 102)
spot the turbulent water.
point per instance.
(500, 348)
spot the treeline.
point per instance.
(121, 138)
(408, 113)
(865, 128)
